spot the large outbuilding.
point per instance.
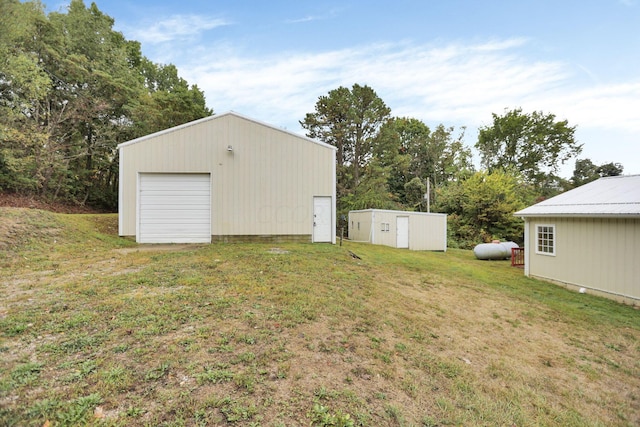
(420, 231)
(588, 238)
(227, 178)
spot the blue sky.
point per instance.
(441, 61)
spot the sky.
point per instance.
(450, 62)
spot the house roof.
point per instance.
(615, 196)
(219, 116)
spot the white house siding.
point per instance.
(264, 186)
(600, 254)
(427, 231)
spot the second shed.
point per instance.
(420, 231)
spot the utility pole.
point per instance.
(427, 195)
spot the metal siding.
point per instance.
(386, 238)
(428, 232)
(363, 234)
(265, 186)
(599, 254)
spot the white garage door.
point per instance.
(174, 208)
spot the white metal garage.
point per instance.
(174, 208)
(227, 178)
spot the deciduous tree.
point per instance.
(535, 144)
(481, 207)
(411, 150)
(348, 119)
(71, 89)
(586, 171)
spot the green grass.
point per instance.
(96, 330)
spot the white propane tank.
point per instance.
(495, 250)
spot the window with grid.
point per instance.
(545, 239)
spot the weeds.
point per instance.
(26, 374)
(323, 417)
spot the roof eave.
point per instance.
(577, 215)
(218, 116)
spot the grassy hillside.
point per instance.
(97, 330)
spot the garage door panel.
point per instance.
(177, 187)
(201, 217)
(168, 222)
(184, 194)
(178, 230)
(177, 192)
(177, 238)
(174, 203)
(174, 208)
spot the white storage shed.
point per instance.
(420, 231)
(227, 178)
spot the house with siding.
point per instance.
(588, 238)
(227, 177)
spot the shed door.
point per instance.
(402, 232)
(322, 219)
(174, 208)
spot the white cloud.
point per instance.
(304, 19)
(177, 27)
(455, 84)
(458, 82)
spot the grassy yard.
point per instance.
(96, 330)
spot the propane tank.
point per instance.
(495, 250)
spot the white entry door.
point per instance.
(322, 219)
(174, 208)
(402, 232)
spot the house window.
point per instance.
(546, 239)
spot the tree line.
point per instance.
(71, 89)
(387, 162)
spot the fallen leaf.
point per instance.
(98, 412)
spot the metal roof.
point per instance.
(399, 212)
(615, 196)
